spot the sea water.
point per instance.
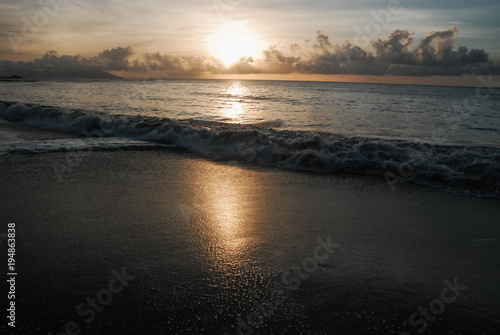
(446, 136)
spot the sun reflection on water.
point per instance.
(224, 225)
(233, 105)
(229, 218)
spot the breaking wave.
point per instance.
(464, 168)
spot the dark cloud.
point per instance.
(170, 65)
(295, 48)
(275, 61)
(322, 43)
(434, 55)
(53, 66)
(337, 59)
(394, 49)
(472, 56)
(272, 55)
(114, 59)
(437, 47)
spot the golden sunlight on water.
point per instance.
(231, 250)
(224, 214)
(230, 219)
(233, 106)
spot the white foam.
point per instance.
(471, 169)
(79, 144)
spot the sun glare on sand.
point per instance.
(232, 41)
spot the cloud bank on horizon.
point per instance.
(396, 54)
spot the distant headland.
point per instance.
(16, 78)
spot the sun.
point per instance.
(233, 41)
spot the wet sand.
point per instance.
(203, 247)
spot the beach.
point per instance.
(166, 241)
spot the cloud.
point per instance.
(275, 61)
(156, 64)
(435, 54)
(337, 59)
(394, 49)
(437, 47)
(393, 55)
(114, 59)
(52, 66)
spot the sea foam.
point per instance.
(463, 168)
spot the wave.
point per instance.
(483, 129)
(77, 144)
(471, 169)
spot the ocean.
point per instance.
(447, 137)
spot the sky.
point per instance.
(203, 38)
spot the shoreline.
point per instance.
(397, 161)
(206, 241)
